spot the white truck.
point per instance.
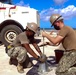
(13, 20)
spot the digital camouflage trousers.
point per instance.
(19, 53)
(65, 66)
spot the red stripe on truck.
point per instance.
(2, 8)
(13, 7)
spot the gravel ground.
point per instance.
(6, 69)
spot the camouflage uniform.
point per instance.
(17, 50)
(65, 66)
(19, 53)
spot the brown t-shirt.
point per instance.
(21, 39)
(69, 35)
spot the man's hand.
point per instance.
(42, 58)
(44, 33)
(51, 32)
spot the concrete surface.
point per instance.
(6, 69)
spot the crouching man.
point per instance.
(21, 45)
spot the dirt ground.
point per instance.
(6, 69)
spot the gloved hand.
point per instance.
(42, 58)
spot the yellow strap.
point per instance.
(9, 46)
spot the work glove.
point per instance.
(42, 58)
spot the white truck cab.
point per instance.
(13, 20)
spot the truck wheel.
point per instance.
(9, 33)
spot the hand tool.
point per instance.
(43, 67)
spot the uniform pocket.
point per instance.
(10, 51)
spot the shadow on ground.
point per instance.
(34, 70)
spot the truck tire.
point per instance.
(9, 33)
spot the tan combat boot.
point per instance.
(10, 61)
(20, 68)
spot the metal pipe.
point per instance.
(43, 42)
